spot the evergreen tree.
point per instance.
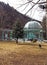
(18, 31)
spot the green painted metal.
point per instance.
(32, 33)
(2, 35)
(11, 35)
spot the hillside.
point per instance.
(9, 16)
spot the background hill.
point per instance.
(9, 16)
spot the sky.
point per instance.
(35, 13)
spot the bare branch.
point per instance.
(31, 2)
(32, 6)
(42, 2)
(25, 7)
(29, 9)
(25, 4)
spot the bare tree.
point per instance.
(39, 2)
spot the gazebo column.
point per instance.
(2, 35)
(27, 35)
(39, 35)
(11, 35)
(7, 35)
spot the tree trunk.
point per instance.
(17, 40)
(46, 21)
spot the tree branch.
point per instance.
(42, 2)
(25, 7)
(25, 4)
(32, 7)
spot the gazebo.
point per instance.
(33, 30)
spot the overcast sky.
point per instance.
(35, 13)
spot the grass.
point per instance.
(22, 54)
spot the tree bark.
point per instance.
(16, 40)
(46, 20)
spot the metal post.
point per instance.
(2, 35)
(11, 35)
(39, 35)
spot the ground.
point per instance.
(22, 54)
